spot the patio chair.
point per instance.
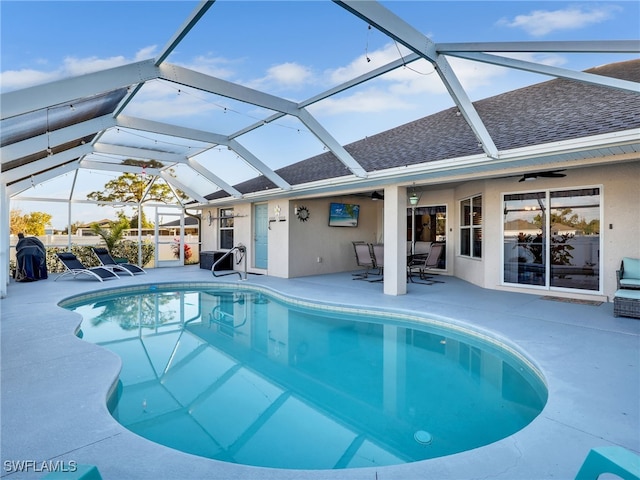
(75, 267)
(109, 263)
(425, 265)
(629, 274)
(364, 258)
(377, 254)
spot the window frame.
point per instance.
(470, 232)
(225, 225)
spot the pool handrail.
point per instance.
(238, 248)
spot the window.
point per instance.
(225, 229)
(471, 227)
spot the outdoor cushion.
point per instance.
(630, 282)
(626, 293)
(631, 273)
(631, 268)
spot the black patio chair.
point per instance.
(75, 267)
(109, 263)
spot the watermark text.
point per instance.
(12, 466)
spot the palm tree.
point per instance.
(111, 236)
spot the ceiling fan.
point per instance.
(533, 176)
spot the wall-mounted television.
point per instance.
(343, 215)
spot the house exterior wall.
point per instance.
(315, 239)
(620, 206)
(295, 246)
(470, 269)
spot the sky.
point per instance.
(292, 49)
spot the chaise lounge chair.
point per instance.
(75, 267)
(109, 263)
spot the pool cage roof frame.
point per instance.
(52, 129)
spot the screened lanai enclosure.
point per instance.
(180, 139)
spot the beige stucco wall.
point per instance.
(295, 246)
(315, 239)
(620, 203)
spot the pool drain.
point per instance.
(423, 437)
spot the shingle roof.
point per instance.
(551, 111)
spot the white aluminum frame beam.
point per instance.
(396, 28)
(118, 168)
(206, 173)
(40, 143)
(207, 83)
(172, 181)
(193, 18)
(66, 90)
(411, 57)
(209, 137)
(571, 46)
(45, 164)
(256, 163)
(550, 70)
(152, 126)
(186, 27)
(36, 179)
(332, 144)
(136, 152)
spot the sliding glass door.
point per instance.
(552, 239)
(425, 226)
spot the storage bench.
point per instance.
(208, 258)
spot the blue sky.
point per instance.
(294, 49)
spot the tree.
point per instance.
(32, 223)
(112, 235)
(130, 187)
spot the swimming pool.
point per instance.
(251, 377)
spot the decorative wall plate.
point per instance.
(303, 214)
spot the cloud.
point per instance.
(542, 22)
(214, 66)
(411, 86)
(146, 53)
(71, 66)
(16, 79)
(159, 100)
(365, 63)
(371, 100)
(289, 75)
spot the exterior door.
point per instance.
(552, 239)
(261, 235)
(169, 239)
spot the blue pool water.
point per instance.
(246, 377)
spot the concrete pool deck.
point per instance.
(54, 385)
